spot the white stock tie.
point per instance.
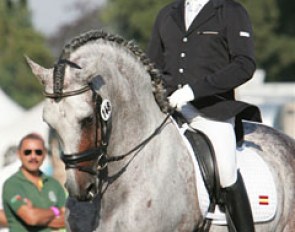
(192, 9)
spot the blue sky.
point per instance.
(48, 15)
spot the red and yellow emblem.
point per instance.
(263, 200)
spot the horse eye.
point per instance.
(87, 121)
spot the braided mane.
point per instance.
(158, 88)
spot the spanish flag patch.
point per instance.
(263, 200)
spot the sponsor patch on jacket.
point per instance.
(244, 34)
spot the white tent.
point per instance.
(29, 121)
(10, 111)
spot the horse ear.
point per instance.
(40, 72)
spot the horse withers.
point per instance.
(128, 167)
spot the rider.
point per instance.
(205, 50)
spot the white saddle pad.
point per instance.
(258, 181)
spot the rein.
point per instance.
(99, 153)
(143, 143)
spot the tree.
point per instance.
(272, 21)
(131, 18)
(89, 20)
(274, 37)
(19, 39)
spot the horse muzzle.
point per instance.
(81, 185)
(82, 174)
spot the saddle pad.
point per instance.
(258, 181)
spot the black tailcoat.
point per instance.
(214, 56)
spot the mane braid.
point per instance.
(158, 88)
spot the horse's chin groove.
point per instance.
(84, 198)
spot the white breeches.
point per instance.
(223, 139)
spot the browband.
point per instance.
(67, 94)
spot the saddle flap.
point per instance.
(259, 184)
(257, 178)
(204, 154)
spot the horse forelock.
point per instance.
(58, 78)
(158, 88)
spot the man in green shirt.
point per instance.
(33, 201)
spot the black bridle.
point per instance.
(99, 153)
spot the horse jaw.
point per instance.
(42, 74)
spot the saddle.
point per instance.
(256, 175)
(204, 153)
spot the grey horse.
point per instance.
(127, 166)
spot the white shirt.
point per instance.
(192, 9)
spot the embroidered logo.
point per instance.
(52, 197)
(15, 198)
(244, 34)
(263, 200)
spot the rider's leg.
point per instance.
(223, 139)
(238, 206)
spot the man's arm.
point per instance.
(35, 216)
(240, 44)
(40, 217)
(58, 222)
(3, 220)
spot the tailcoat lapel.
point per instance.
(178, 14)
(205, 14)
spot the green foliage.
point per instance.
(19, 39)
(273, 22)
(133, 19)
(274, 37)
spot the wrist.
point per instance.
(55, 211)
(188, 93)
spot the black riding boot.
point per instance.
(238, 208)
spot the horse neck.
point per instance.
(133, 122)
(135, 112)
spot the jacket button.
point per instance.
(182, 55)
(181, 70)
(184, 39)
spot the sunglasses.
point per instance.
(38, 152)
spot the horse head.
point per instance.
(97, 83)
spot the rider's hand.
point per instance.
(181, 96)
